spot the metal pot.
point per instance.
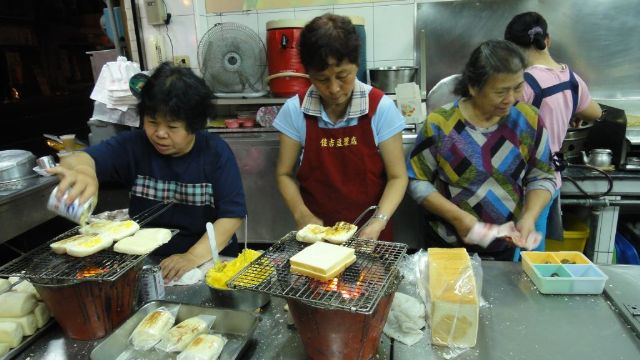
(598, 157)
(387, 78)
(238, 298)
(573, 143)
(16, 165)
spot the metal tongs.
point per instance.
(360, 217)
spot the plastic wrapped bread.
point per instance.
(16, 304)
(454, 305)
(203, 347)
(27, 322)
(4, 348)
(179, 336)
(41, 313)
(151, 329)
(10, 333)
(4, 284)
(24, 286)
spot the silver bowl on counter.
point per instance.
(238, 299)
(387, 78)
(16, 165)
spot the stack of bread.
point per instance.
(454, 307)
(21, 313)
(336, 234)
(190, 337)
(322, 261)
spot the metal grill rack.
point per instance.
(358, 289)
(43, 266)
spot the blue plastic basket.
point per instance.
(625, 252)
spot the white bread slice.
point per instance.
(143, 242)
(340, 232)
(24, 286)
(15, 304)
(96, 227)
(311, 233)
(10, 333)
(88, 246)
(120, 229)
(322, 261)
(60, 247)
(41, 312)
(179, 336)
(4, 348)
(203, 347)
(454, 312)
(27, 323)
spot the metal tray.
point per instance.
(26, 341)
(236, 325)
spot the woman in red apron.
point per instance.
(347, 134)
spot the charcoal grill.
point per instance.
(43, 266)
(358, 289)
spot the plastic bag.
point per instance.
(151, 329)
(204, 347)
(452, 300)
(179, 336)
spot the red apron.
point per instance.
(342, 172)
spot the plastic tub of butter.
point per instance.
(222, 296)
(563, 272)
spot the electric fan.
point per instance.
(233, 61)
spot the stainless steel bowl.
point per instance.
(238, 299)
(16, 165)
(387, 78)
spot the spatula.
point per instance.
(212, 242)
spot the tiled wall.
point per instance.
(389, 26)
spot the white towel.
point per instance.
(191, 277)
(406, 319)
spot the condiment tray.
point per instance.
(563, 272)
(235, 325)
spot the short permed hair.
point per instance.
(490, 58)
(177, 94)
(325, 37)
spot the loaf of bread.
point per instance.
(340, 232)
(4, 285)
(4, 348)
(16, 304)
(311, 233)
(95, 227)
(88, 246)
(24, 286)
(27, 323)
(60, 247)
(41, 313)
(143, 242)
(120, 229)
(322, 261)
(151, 329)
(203, 347)
(454, 310)
(10, 333)
(179, 336)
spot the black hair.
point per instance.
(177, 94)
(526, 30)
(328, 36)
(490, 58)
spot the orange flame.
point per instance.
(90, 271)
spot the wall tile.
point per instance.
(348, 3)
(398, 62)
(393, 32)
(249, 19)
(179, 7)
(183, 35)
(309, 13)
(201, 26)
(199, 7)
(365, 12)
(213, 19)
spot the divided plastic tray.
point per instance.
(563, 272)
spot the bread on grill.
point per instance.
(340, 232)
(322, 261)
(143, 241)
(88, 246)
(311, 233)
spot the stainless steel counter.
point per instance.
(23, 205)
(517, 323)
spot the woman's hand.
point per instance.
(177, 265)
(81, 182)
(306, 219)
(372, 229)
(526, 226)
(463, 223)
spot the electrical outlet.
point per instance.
(182, 60)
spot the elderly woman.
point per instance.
(558, 93)
(351, 135)
(485, 158)
(171, 159)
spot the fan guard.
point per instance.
(233, 61)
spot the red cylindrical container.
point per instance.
(283, 57)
